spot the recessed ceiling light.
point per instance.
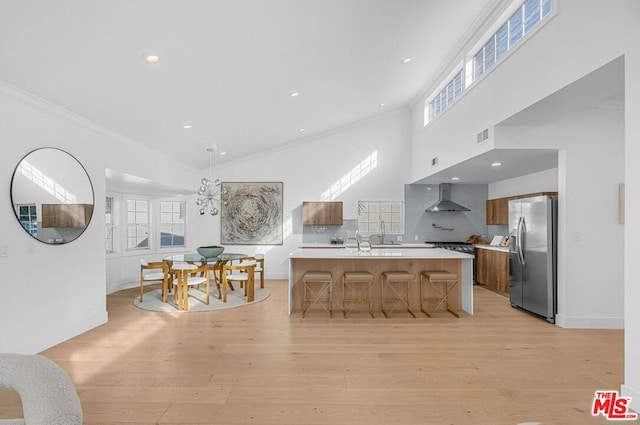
(455, 178)
(223, 153)
(294, 94)
(187, 126)
(406, 61)
(151, 58)
(382, 104)
(496, 164)
(302, 130)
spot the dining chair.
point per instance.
(154, 272)
(259, 266)
(244, 273)
(187, 276)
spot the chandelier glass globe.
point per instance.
(209, 191)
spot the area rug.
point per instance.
(152, 301)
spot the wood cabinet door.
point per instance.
(492, 269)
(498, 211)
(66, 215)
(322, 213)
(482, 266)
(501, 267)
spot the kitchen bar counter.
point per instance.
(378, 246)
(414, 260)
(493, 247)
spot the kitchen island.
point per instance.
(413, 260)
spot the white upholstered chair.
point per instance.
(154, 272)
(244, 273)
(189, 275)
(47, 393)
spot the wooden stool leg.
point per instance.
(316, 295)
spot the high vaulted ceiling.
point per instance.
(229, 67)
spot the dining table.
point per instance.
(214, 264)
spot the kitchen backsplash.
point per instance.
(422, 226)
(445, 226)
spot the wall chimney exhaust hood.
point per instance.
(444, 201)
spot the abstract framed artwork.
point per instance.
(251, 213)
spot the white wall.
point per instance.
(544, 181)
(330, 164)
(59, 291)
(631, 387)
(584, 36)
(559, 116)
(311, 170)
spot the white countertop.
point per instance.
(386, 246)
(494, 247)
(382, 253)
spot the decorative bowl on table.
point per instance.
(210, 251)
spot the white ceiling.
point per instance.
(228, 67)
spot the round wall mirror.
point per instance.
(52, 196)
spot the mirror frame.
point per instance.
(13, 205)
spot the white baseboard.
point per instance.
(627, 391)
(587, 322)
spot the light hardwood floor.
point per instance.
(257, 365)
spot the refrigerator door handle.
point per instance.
(521, 232)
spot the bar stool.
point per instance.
(356, 289)
(400, 294)
(437, 277)
(317, 285)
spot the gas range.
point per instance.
(465, 247)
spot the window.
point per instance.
(376, 216)
(172, 223)
(525, 18)
(28, 217)
(137, 218)
(108, 223)
(445, 98)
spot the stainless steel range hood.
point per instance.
(444, 201)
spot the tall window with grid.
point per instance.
(137, 217)
(108, 224)
(172, 223)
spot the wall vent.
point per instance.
(483, 136)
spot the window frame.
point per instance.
(516, 13)
(383, 211)
(183, 211)
(547, 8)
(32, 223)
(128, 225)
(110, 225)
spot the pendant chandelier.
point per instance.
(208, 194)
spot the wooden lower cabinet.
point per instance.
(492, 269)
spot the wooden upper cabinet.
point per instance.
(66, 215)
(322, 213)
(498, 209)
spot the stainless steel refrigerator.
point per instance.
(532, 255)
